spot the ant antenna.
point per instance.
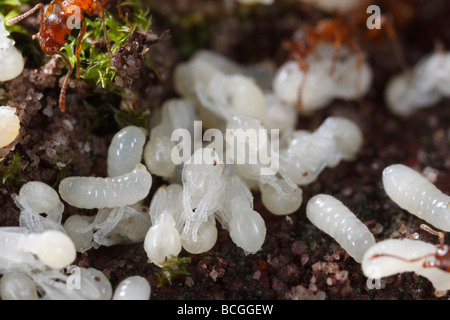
(434, 232)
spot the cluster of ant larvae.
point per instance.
(11, 60)
(416, 194)
(350, 80)
(392, 256)
(423, 86)
(332, 217)
(307, 153)
(221, 89)
(9, 125)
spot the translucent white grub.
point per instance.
(423, 86)
(120, 225)
(34, 199)
(77, 227)
(161, 242)
(158, 156)
(132, 288)
(9, 125)
(246, 226)
(163, 238)
(392, 256)
(22, 250)
(125, 150)
(279, 115)
(206, 63)
(283, 201)
(120, 191)
(206, 238)
(76, 284)
(203, 189)
(335, 219)
(17, 286)
(414, 193)
(175, 114)
(349, 81)
(307, 154)
(11, 60)
(346, 133)
(228, 95)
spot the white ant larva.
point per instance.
(9, 125)
(132, 288)
(91, 192)
(392, 256)
(20, 249)
(334, 218)
(17, 286)
(36, 198)
(414, 193)
(125, 150)
(421, 87)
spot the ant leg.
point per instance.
(439, 234)
(121, 15)
(62, 95)
(78, 48)
(337, 49)
(27, 14)
(102, 16)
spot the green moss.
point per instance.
(11, 172)
(173, 267)
(97, 63)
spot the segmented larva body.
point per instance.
(392, 256)
(334, 218)
(125, 150)
(91, 192)
(414, 193)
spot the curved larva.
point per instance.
(392, 256)
(414, 193)
(331, 216)
(91, 192)
(125, 150)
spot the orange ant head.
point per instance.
(54, 32)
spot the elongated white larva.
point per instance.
(334, 218)
(414, 193)
(125, 150)
(392, 256)
(91, 192)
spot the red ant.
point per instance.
(55, 30)
(327, 30)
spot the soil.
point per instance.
(297, 261)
